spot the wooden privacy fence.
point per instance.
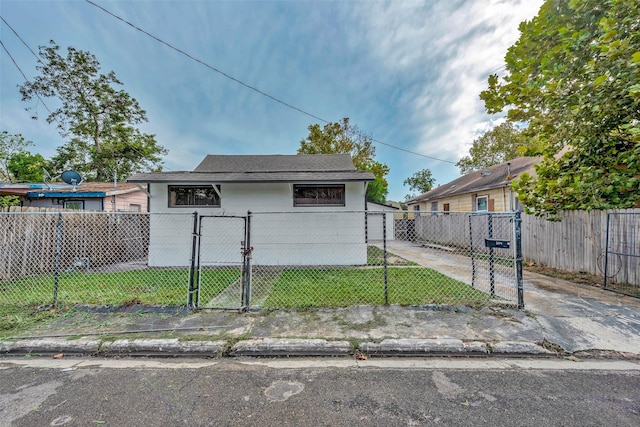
(578, 243)
(39, 243)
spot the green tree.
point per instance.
(10, 145)
(345, 138)
(8, 201)
(574, 77)
(421, 181)
(27, 167)
(100, 118)
(500, 144)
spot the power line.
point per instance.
(253, 88)
(20, 38)
(21, 72)
(27, 80)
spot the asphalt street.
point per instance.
(329, 391)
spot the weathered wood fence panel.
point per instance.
(29, 241)
(578, 242)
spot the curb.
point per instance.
(426, 347)
(274, 347)
(162, 347)
(263, 347)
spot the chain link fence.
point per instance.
(259, 260)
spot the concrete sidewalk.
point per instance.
(560, 319)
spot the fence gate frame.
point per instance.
(491, 243)
(610, 250)
(195, 264)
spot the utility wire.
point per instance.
(21, 72)
(27, 80)
(20, 38)
(253, 88)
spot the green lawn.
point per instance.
(343, 287)
(152, 287)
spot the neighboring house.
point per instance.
(486, 190)
(375, 229)
(91, 196)
(309, 210)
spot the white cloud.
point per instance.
(448, 49)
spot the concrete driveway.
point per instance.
(576, 317)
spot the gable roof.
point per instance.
(496, 176)
(264, 168)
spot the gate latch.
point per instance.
(247, 251)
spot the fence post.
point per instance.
(57, 260)
(492, 279)
(246, 265)
(606, 253)
(384, 246)
(471, 254)
(192, 264)
(518, 235)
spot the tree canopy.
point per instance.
(344, 138)
(498, 145)
(574, 78)
(17, 164)
(100, 118)
(420, 182)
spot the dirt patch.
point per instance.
(578, 278)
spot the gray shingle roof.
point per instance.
(492, 177)
(265, 168)
(277, 163)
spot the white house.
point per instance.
(377, 227)
(306, 210)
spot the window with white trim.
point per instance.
(318, 195)
(193, 195)
(482, 204)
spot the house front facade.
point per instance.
(486, 190)
(305, 210)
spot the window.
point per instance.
(416, 210)
(445, 207)
(193, 195)
(135, 207)
(434, 206)
(74, 204)
(482, 203)
(318, 195)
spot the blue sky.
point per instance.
(408, 73)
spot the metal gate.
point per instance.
(220, 263)
(495, 249)
(621, 269)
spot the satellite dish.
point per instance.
(72, 177)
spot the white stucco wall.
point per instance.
(281, 234)
(375, 229)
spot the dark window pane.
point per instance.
(192, 195)
(318, 195)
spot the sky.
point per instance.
(406, 73)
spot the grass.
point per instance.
(151, 287)
(343, 287)
(16, 318)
